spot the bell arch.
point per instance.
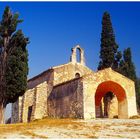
(116, 89)
(73, 57)
(78, 55)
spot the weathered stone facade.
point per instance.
(66, 100)
(73, 90)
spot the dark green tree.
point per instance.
(109, 55)
(13, 60)
(17, 67)
(127, 68)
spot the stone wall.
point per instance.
(40, 102)
(68, 71)
(28, 101)
(15, 112)
(89, 96)
(44, 76)
(66, 100)
(113, 108)
(35, 98)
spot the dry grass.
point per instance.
(6, 128)
(118, 136)
(72, 128)
(93, 136)
(33, 135)
(28, 128)
(131, 124)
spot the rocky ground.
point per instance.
(69, 128)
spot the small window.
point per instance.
(77, 75)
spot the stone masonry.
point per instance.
(73, 90)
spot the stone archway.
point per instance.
(116, 89)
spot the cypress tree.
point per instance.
(17, 67)
(127, 68)
(109, 55)
(13, 60)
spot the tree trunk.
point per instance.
(2, 112)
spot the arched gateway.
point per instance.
(118, 91)
(75, 91)
(105, 81)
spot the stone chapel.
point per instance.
(73, 90)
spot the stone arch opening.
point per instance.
(118, 91)
(78, 54)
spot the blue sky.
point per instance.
(55, 27)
